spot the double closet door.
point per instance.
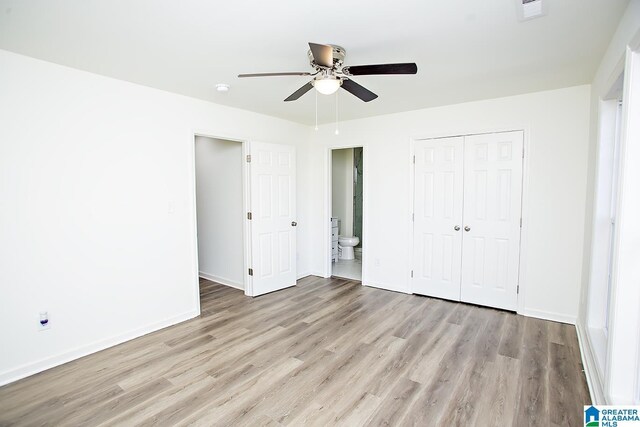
(467, 220)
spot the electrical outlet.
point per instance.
(44, 322)
(376, 262)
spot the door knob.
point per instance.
(457, 228)
(467, 228)
(293, 223)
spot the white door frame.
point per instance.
(524, 206)
(622, 373)
(329, 207)
(246, 237)
(620, 381)
(595, 327)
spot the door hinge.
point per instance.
(413, 217)
(414, 160)
(249, 216)
(518, 289)
(411, 273)
(523, 152)
(520, 222)
(248, 158)
(251, 272)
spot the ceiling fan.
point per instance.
(330, 74)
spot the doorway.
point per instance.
(347, 200)
(245, 213)
(219, 210)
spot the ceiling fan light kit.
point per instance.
(330, 74)
(327, 85)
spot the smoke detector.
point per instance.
(531, 9)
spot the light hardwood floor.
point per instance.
(326, 352)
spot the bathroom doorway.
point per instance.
(347, 191)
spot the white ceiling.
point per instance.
(465, 49)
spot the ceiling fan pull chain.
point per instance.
(337, 131)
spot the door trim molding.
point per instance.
(525, 129)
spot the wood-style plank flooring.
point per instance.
(325, 352)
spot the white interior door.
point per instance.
(492, 211)
(438, 217)
(273, 207)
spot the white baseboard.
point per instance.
(319, 274)
(53, 361)
(548, 315)
(596, 390)
(386, 287)
(303, 275)
(221, 280)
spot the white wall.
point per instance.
(616, 385)
(556, 124)
(97, 201)
(342, 189)
(219, 194)
(97, 208)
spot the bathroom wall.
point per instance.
(219, 211)
(342, 189)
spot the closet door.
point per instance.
(438, 217)
(492, 211)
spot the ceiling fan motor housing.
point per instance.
(339, 54)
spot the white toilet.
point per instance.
(346, 245)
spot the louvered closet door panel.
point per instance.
(492, 210)
(438, 210)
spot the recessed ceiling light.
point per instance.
(222, 87)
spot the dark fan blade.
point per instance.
(360, 91)
(363, 70)
(274, 74)
(297, 94)
(322, 54)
